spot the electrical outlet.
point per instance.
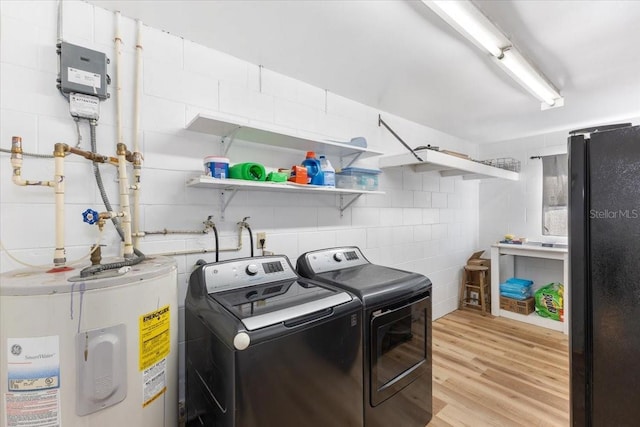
(261, 240)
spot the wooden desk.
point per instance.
(497, 275)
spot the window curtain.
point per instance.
(555, 194)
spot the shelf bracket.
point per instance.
(344, 206)
(227, 140)
(381, 122)
(356, 156)
(224, 203)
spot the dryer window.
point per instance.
(398, 349)
(401, 346)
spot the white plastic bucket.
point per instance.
(216, 167)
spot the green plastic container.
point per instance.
(248, 172)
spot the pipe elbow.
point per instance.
(17, 179)
(60, 149)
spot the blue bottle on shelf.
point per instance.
(314, 169)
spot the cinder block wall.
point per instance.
(422, 223)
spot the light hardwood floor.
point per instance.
(498, 372)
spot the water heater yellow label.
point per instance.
(154, 337)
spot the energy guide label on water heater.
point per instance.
(155, 345)
(154, 337)
(33, 372)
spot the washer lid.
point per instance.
(277, 302)
(375, 284)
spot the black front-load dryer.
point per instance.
(396, 341)
(265, 347)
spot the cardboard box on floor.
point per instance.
(476, 259)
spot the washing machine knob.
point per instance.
(252, 269)
(241, 341)
(338, 256)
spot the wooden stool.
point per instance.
(475, 278)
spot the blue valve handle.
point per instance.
(90, 216)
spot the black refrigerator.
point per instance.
(604, 253)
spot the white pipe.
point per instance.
(118, 45)
(59, 257)
(137, 166)
(137, 169)
(205, 251)
(123, 182)
(138, 87)
(60, 12)
(195, 251)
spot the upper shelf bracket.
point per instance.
(432, 159)
(227, 140)
(382, 122)
(356, 156)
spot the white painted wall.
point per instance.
(515, 207)
(423, 223)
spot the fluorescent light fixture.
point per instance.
(525, 74)
(469, 21)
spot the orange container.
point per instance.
(298, 175)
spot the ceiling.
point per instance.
(400, 57)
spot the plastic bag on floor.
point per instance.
(549, 301)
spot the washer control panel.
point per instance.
(235, 274)
(334, 259)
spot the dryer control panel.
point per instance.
(247, 272)
(332, 259)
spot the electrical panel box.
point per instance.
(83, 70)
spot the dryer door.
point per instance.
(399, 347)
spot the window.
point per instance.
(555, 195)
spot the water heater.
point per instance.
(90, 353)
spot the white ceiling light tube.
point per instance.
(525, 74)
(469, 21)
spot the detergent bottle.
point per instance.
(328, 172)
(314, 171)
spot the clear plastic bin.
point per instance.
(358, 179)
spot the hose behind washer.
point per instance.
(250, 237)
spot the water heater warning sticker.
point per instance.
(33, 409)
(154, 337)
(33, 368)
(154, 382)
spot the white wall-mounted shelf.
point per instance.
(230, 128)
(447, 165)
(234, 185)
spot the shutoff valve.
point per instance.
(90, 216)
